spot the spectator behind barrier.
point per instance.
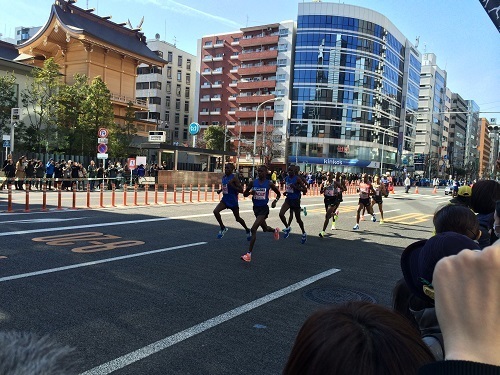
(463, 196)
(457, 218)
(357, 338)
(484, 195)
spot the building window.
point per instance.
(185, 132)
(188, 78)
(188, 64)
(281, 77)
(186, 106)
(142, 85)
(236, 39)
(178, 90)
(155, 100)
(177, 104)
(283, 32)
(186, 92)
(282, 47)
(167, 101)
(186, 120)
(278, 123)
(177, 119)
(281, 62)
(179, 60)
(179, 76)
(176, 133)
(155, 85)
(159, 53)
(169, 72)
(167, 116)
(208, 43)
(168, 87)
(170, 57)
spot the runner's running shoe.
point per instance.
(336, 215)
(221, 233)
(333, 226)
(303, 238)
(322, 234)
(277, 234)
(374, 219)
(247, 257)
(356, 227)
(381, 221)
(304, 210)
(287, 232)
(249, 235)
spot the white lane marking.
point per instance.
(59, 269)
(137, 355)
(48, 220)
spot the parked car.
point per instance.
(448, 190)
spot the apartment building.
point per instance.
(169, 91)
(431, 142)
(22, 34)
(458, 132)
(484, 148)
(244, 83)
(471, 157)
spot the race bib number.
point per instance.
(225, 190)
(329, 192)
(259, 193)
(289, 188)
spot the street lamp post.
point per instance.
(255, 131)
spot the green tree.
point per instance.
(7, 100)
(122, 134)
(97, 113)
(213, 137)
(40, 99)
(71, 132)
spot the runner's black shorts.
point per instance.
(261, 211)
(364, 201)
(333, 201)
(293, 203)
(377, 199)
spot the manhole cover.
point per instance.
(336, 295)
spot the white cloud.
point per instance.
(177, 7)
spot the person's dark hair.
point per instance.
(357, 338)
(456, 218)
(497, 207)
(484, 195)
(26, 353)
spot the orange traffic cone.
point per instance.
(435, 190)
(416, 189)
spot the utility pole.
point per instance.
(14, 117)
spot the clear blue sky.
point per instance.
(459, 32)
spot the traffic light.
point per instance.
(14, 114)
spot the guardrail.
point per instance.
(146, 194)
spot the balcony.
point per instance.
(206, 73)
(205, 99)
(231, 112)
(234, 70)
(219, 58)
(205, 86)
(234, 57)
(219, 44)
(233, 85)
(216, 99)
(254, 70)
(215, 113)
(217, 86)
(207, 58)
(204, 113)
(263, 55)
(268, 83)
(232, 98)
(248, 128)
(261, 41)
(121, 99)
(216, 72)
(236, 43)
(253, 99)
(206, 46)
(251, 114)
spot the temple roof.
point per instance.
(84, 25)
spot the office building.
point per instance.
(431, 142)
(169, 91)
(458, 132)
(25, 33)
(355, 91)
(471, 156)
(484, 148)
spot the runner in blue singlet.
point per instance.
(231, 186)
(294, 185)
(259, 189)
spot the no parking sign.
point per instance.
(131, 163)
(102, 133)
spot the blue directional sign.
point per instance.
(6, 143)
(194, 128)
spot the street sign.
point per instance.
(102, 133)
(14, 114)
(102, 156)
(194, 128)
(102, 148)
(102, 140)
(6, 143)
(131, 163)
(156, 136)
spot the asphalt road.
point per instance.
(150, 290)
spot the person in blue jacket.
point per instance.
(259, 189)
(230, 188)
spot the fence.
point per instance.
(135, 195)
